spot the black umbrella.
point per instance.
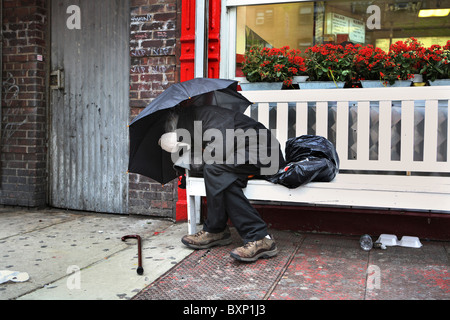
(146, 156)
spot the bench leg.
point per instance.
(193, 209)
(197, 209)
(192, 214)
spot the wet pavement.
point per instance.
(310, 267)
(80, 256)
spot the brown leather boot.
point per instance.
(205, 240)
(252, 251)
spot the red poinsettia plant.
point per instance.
(329, 62)
(437, 64)
(369, 63)
(403, 61)
(263, 64)
(406, 58)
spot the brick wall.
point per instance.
(23, 122)
(153, 51)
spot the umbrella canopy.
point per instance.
(198, 91)
(146, 156)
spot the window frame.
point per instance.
(228, 33)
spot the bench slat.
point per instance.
(322, 114)
(407, 133)
(301, 120)
(282, 120)
(263, 113)
(374, 94)
(363, 131)
(372, 182)
(394, 192)
(342, 130)
(431, 131)
(384, 132)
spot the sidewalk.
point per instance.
(51, 244)
(75, 255)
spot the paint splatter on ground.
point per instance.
(309, 266)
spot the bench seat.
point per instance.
(424, 193)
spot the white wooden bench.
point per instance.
(417, 180)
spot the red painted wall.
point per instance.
(187, 40)
(214, 39)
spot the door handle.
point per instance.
(57, 79)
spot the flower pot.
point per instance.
(321, 84)
(252, 86)
(417, 78)
(298, 79)
(440, 82)
(380, 84)
(401, 83)
(373, 84)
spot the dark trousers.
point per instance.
(225, 199)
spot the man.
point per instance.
(232, 148)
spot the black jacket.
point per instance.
(219, 135)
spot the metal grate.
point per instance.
(213, 274)
(309, 266)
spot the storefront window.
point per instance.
(302, 24)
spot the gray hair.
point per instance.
(172, 121)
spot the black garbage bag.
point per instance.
(309, 158)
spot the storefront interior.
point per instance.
(303, 24)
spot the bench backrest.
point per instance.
(379, 129)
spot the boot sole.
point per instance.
(222, 242)
(262, 255)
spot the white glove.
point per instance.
(169, 142)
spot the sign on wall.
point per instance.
(340, 24)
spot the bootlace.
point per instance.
(250, 244)
(199, 234)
